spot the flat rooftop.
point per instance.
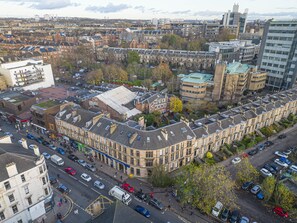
(237, 68)
(197, 78)
(48, 104)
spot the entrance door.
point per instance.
(121, 167)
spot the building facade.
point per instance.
(235, 18)
(278, 54)
(151, 102)
(27, 74)
(135, 150)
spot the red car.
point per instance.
(128, 188)
(279, 211)
(70, 171)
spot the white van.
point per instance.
(217, 209)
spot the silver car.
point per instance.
(90, 167)
(82, 162)
(99, 185)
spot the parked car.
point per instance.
(260, 195)
(280, 154)
(46, 155)
(255, 189)
(261, 147)
(86, 177)
(157, 204)
(265, 173)
(268, 143)
(282, 136)
(39, 140)
(45, 143)
(51, 146)
(29, 136)
(32, 146)
(280, 211)
(142, 196)
(293, 168)
(253, 152)
(70, 171)
(235, 216)
(275, 167)
(90, 167)
(236, 160)
(52, 180)
(217, 209)
(128, 187)
(99, 185)
(8, 134)
(285, 160)
(61, 151)
(277, 161)
(244, 220)
(269, 168)
(62, 188)
(225, 215)
(82, 163)
(247, 185)
(287, 152)
(143, 211)
(73, 157)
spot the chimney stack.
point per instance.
(36, 151)
(24, 143)
(11, 169)
(164, 133)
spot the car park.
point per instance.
(46, 155)
(156, 203)
(236, 160)
(128, 187)
(280, 154)
(32, 146)
(280, 211)
(283, 164)
(253, 152)
(73, 157)
(247, 185)
(142, 211)
(255, 189)
(99, 184)
(86, 177)
(51, 146)
(90, 167)
(260, 195)
(235, 216)
(244, 220)
(82, 163)
(217, 209)
(61, 151)
(30, 136)
(269, 168)
(225, 215)
(282, 136)
(70, 171)
(265, 173)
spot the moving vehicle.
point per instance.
(157, 204)
(280, 211)
(86, 177)
(277, 161)
(265, 173)
(73, 158)
(120, 194)
(143, 211)
(90, 167)
(280, 154)
(225, 214)
(236, 160)
(99, 185)
(217, 209)
(61, 151)
(255, 189)
(128, 187)
(46, 155)
(57, 160)
(70, 171)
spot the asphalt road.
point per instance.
(84, 193)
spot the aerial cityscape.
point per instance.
(148, 111)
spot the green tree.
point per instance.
(246, 172)
(94, 77)
(202, 186)
(268, 185)
(284, 197)
(162, 72)
(159, 177)
(176, 105)
(147, 83)
(133, 57)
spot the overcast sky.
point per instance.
(148, 9)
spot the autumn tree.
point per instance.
(202, 186)
(284, 197)
(176, 105)
(268, 185)
(246, 172)
(162, 72)
(159, 177)
(147, 83)
(113, 72)
(94, 77)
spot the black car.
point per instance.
(282, 136)
(268, 167)
(268, 143)
(225, 214)
(142, 196)
(247, 185)
(235, 216)
(73, 157)
(253, 152)
(275, 167)
(45, 143)
(53, 180)
(157, 204)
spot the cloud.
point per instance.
(276, 15)
(208, 13)
(45, 4)
(287, 8)
(109, 8)
(181, 12)
(141, 8)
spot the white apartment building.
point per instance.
(25, 190)
(27, 74)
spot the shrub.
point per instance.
(209, 155)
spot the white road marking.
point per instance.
(83, 183)
(73, 177)
(61, 170)
(95, 191)
(96, 175)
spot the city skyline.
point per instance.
(188, 9)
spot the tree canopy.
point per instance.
(246, 172)
(162, 72)
(176, 105)
(133, 57)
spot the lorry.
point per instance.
(57, 160)
(120, 194)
